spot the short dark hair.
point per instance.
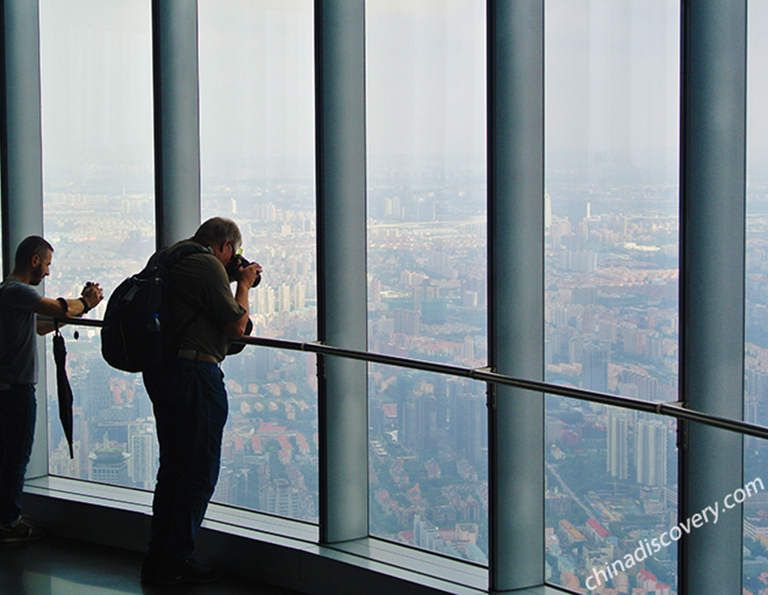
(218, 230)
(28, 248)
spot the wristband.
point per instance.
(86, 307)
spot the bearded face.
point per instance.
(37, 275)
(40, 268)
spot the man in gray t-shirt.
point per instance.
(18, 356)
(19, 304)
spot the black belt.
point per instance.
(197, 356)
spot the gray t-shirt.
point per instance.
(18, 353)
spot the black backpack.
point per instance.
(134, 337)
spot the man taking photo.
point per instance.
(19, 305)
(189, 398)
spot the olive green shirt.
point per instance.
(202, 281)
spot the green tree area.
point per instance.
(577, 517)
(434, 493)
(383, 524)
(584, 472)
(617, 530)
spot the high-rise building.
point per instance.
(594, 371)
(651, 452)
(468, 421)
(283, 500)
(284, 297)
(143, 448)
(109, 464)
(98, 389)
(618, 444)
(426, 423)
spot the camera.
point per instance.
(238, 261)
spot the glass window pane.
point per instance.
(756, 356)
(612, 199)
(114, 440)
(98, 204)
(426, 141)
(611, 299)
(269, 458)
(754, 495)
(257, 148)
(611, 493)
(425, 101)
(257, 162)
(756, 348)
(429, 462)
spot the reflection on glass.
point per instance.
(257, 162)
(756, 327)
(428, 462)
(96, 65)
(611, 300)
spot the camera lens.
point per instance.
(236, 262)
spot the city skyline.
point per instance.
(612, 345)
(611, 255)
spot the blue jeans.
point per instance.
(190, 404)
(18, 412)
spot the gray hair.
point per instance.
(218, 230)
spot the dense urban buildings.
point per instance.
(611, 255)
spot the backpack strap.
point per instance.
(200, 247)
(166, 262)
(180, 253)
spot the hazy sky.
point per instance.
(426, 76)
(96, 67)
(612, 91)
(612, 72)
(256, 80)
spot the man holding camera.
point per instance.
(19, 303)
(189, 398)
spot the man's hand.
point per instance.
(93, 294)
(60, 308)
(247, 275)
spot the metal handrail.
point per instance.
(676, 410)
